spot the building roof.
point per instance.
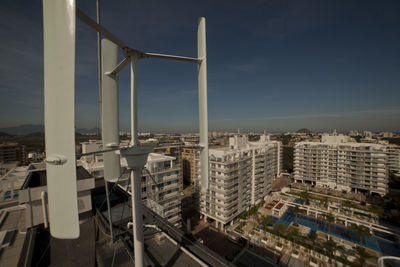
(354, 144)
(154, 157)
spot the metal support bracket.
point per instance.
(56, 159)
(119, 67)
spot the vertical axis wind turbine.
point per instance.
(59, 77)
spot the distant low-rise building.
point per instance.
(10, 152)
(387, 134)
(354, 133)
(368, 134)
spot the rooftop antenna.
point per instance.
(59, 34)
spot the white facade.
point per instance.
(394, 158)
(338, 164)
(240, 176)
(161, 189)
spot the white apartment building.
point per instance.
(338, 163)
(394, 158)
(161, 184)
(240, 176)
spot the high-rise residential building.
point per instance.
(162, 187)
(240, 176)
(340, 164)
(161, 181)
(10, 152)
(189, 155)
(394, 158)
(175, 151)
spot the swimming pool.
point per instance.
(372, 242)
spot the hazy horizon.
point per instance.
(210, 130)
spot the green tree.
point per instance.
(330, 248)
(294, 234)
(279, 228)
(376, 209)
(266, 221)
(312, 236)
(362, 255)
(361, 231)
(287, 158)
(330, 219)
(296, 210)
(305, 195)
(324, 201)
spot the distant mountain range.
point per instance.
(94, 130)
(38, 129)
(24, 129)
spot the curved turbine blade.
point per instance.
(109, 114)
(59, 78)
(203, 114)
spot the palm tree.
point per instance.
(279, 228)
(305, 195)
(325, 202)
(312, 236)
(294, 234)
(266, 221)
(258, 217)
(362, 254)
(376, 209)
(330, 248)
(343, 251)
(361, 231)
(296, 210)
(329, 217)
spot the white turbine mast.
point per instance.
(59, 78)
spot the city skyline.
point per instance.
(272, 65)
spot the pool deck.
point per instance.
(375, 243)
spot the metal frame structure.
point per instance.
(59, 34)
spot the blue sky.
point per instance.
(272, 65)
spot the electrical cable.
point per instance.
(112, 189)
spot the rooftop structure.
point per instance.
(11, 182)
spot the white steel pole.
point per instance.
(134, 104)
(99, 51)
(203, 116)
(137, 216)
(136, 173)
